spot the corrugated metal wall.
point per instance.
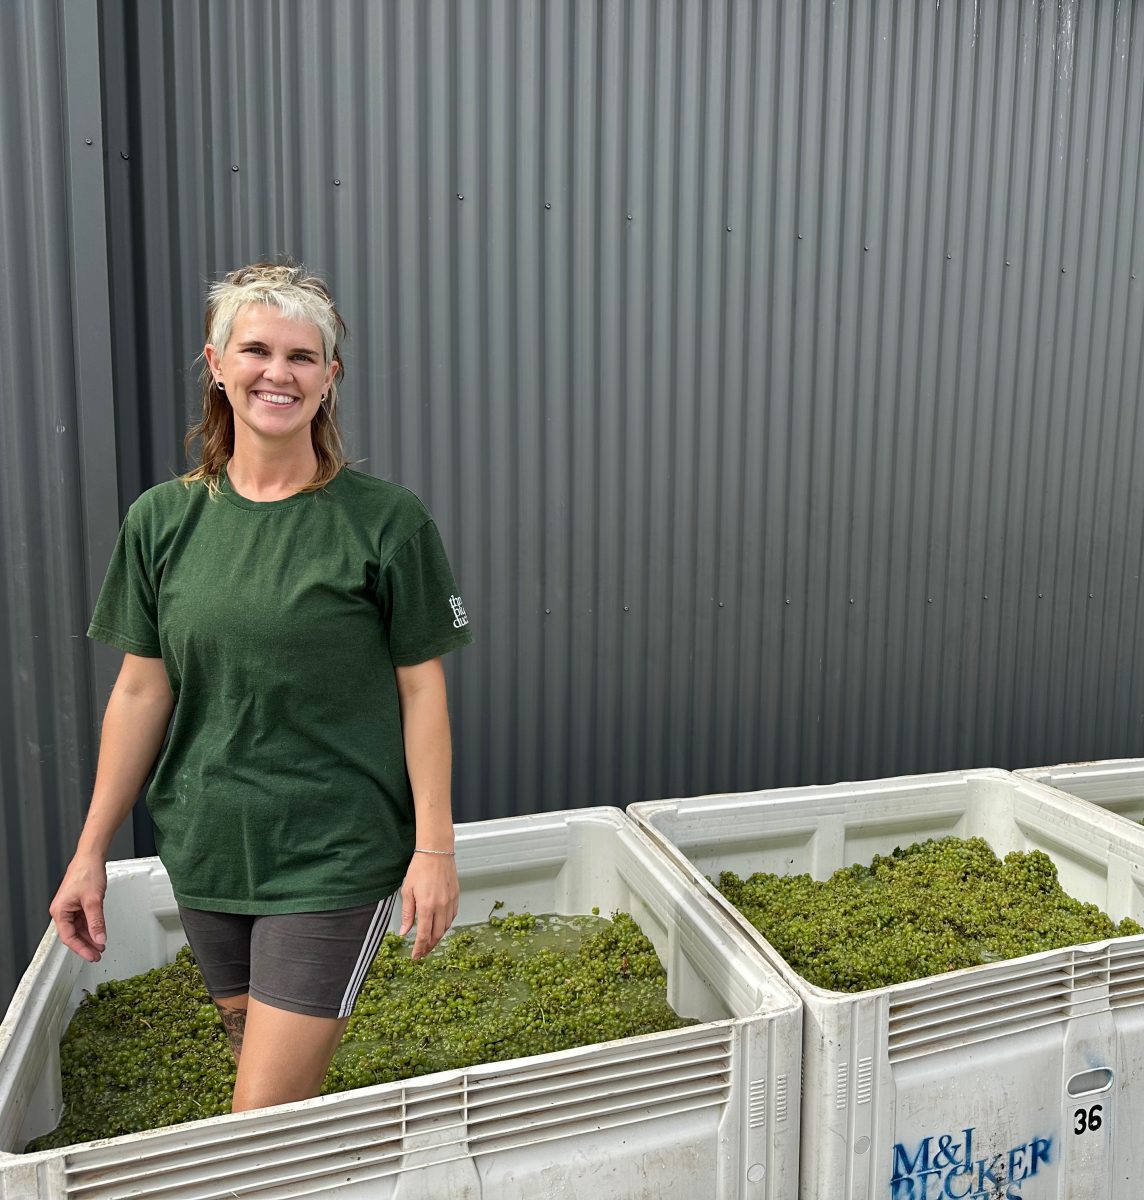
(58, 502)
(773, 369)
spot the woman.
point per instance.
(285, 616)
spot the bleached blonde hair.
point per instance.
(299, 296)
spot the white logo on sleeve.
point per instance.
(460, 620)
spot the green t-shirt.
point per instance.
(282, 787)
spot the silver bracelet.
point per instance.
(446, 853)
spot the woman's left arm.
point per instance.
(431, 891)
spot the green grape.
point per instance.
(151, 1050)
(930, 907)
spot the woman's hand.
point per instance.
(429, 897)
(77, 908)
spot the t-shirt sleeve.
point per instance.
(126, 613)
(420, 602)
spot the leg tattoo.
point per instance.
(234, 1022)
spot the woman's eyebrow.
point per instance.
(252, 343)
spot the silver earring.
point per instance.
(220, 385)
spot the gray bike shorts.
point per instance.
(312, 963)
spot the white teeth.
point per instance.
(271, 398)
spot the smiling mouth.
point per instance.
(276, 399)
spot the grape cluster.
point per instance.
(151, 1050)
(521, 985)
(934, 906)
(140, 1053)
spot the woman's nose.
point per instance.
(278, 369)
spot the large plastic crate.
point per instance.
(1022, 1078)
(1115, 784)
(706, 1111)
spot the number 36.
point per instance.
(1087, 1121)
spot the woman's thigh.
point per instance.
(314, 964)
(285, 1056)
(285, 985)
(220, 943)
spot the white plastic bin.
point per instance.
(706, 1111)
(1116, 784)
(1022, 1078)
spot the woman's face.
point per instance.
(273, 372)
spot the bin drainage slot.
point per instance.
(1087, 1083)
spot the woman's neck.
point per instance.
(259, 474)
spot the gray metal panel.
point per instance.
(773, 370)
(693, 324)
(57, 489)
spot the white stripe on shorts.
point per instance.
(374, 934)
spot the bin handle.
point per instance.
(1089, 1083)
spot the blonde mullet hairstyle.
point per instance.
(299, 296)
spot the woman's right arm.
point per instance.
(134, 726)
